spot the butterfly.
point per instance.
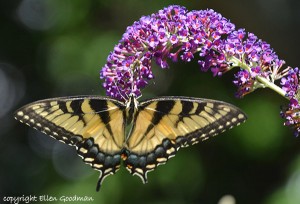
(144, 134)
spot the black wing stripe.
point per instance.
(200, 108)
(187, 107)
(99, 106)
(76, 106)
(162, 109)
(105, 117)
(63, 107)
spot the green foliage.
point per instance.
(263, 133)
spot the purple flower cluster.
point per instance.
(171, 33)
(245, 81)
(255, 57)
(290, 84)
(174, 33)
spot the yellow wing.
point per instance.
(162, 125)
(95, 125)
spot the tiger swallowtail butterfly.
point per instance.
(97, 126)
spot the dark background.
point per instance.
(57, 48)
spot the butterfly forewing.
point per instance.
(95, 125)
(163, 125)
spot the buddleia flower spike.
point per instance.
(174, 33)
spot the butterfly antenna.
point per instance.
(132, 86)
(119, 91)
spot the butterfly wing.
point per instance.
(162, 125)
(95, 125)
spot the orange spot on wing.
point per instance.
(124, 156)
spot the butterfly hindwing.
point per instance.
(95, 125)
(163, 125)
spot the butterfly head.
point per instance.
(132, 102)
(131, 107)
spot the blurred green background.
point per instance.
(52, 48)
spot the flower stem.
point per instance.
(238, 63)
(271, 85)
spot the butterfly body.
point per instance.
(158, 128)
